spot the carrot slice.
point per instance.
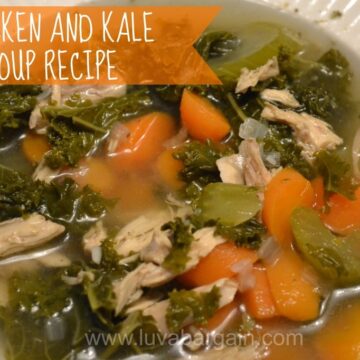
(259, 300)
(286, 191)
(343, 215)
(96, 173)
(221, 316)
(202, 119)
(169, 168)
(340, 339)
(319, 193)
(294, 297)
(145, 141)
(217, 265)
(34, 147)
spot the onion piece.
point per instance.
(118, 133)
(269, 251)
(176, 140)
(96, 254)
(245, 276)
(252, 129)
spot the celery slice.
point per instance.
(336, 258)
(228, 203)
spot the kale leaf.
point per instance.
(336, 173)
(63, 202)
(16, 104)
(217, 44)
(39, 294)
(68, 144)
(181, 239)
(280, 140)
(133, 328)
(110, 258)
(199, 161)
(75, 130)
(187, 303)
(322, 86)
(247, 234)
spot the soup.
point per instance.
(184, 220)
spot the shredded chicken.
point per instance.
(311, 133)
(158, 248)
(36, 121)
(54, 260)
(129, 289)
(283, 97)
(250, 78)
(156, 276)
(44, 173)
(93, 93)
(20, 234)
(205, 241)
(94, 237)
(231, 169)
(151, 274)
(254, 170)
(56, 94)
(138, 234)
(144, 302)
(227, 288)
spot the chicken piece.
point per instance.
(312, 134)
(138, 234)
(254, 170)
(156, 276)
(205, 241)
(158, 248)
(94, 237)
(144, 302)
(36, 121)
(93, 93)
(44, 173)
(227, 289)
(56, 94)
(150, 275)
(129, 289)
(231, 169)
(250, 78)
(54, 260)
(21, 234)
(283, 97)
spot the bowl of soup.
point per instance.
(171, 221)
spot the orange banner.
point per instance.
(104, 45)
